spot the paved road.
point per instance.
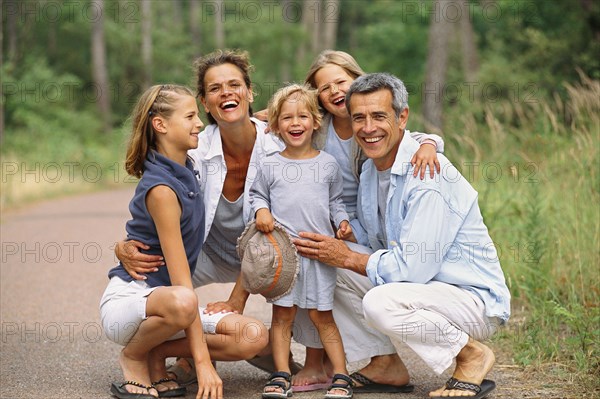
(55, 256)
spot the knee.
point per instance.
(183, 306)
(257, 337)
(283, 315)
(320, 317)
(254, 338)
(376, 310)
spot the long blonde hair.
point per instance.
(339, 58)
(158, 100)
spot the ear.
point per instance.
(403, 118)
(203, 101)
(316, 125)
(159, 124)
(250, 95)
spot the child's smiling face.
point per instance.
(296, 124)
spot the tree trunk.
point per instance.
(1, 85)
(330, 19)
(440, 32)
(177, 13)
(314, 21)
(219, 25)
(307, 21)
(11, 28)
(285, 71)
(99, 71)
(195, 30)
(146, 43)
(469, 45)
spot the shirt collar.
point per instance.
(406, 150)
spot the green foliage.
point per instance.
(536, 169)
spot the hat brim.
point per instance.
(275, 282)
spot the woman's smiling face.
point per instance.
(227, 97)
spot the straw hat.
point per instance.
(270, 262)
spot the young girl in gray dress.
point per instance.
(301, 188)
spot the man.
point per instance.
(438, 285)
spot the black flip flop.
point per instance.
(120, 392)
(370, 386)
(481, 391)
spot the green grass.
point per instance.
(540, 196)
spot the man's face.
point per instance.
(376, 128)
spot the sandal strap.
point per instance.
(275, 380)
(348, 381)
(163, 380)
(281, 374)
(453, 383)
(137, 384)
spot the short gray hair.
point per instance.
(373, 82)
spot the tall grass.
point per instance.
(537, 172)
(44, 163)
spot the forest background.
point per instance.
(512, 86)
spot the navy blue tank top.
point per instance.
(160, 170)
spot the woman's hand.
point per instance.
(264, 220)
(425, 156)
(135, 262)
(210, 384)
(223, 307)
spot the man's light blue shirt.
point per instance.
(434, 230)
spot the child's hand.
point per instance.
(264, 220)
(345, 232)
(262, 115)
(425, 156)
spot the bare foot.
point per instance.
(313, 371)
(386, 369)
(473, 363)
(136, 370)
(310, 376)
(158, 371)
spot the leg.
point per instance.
(361, 341)
(313, 375)
(206, 272)
(168, 310)
(332, 342)
(280, 338)
(473, 363)
(436, 320)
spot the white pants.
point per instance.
(361, 341)
(435, 319)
